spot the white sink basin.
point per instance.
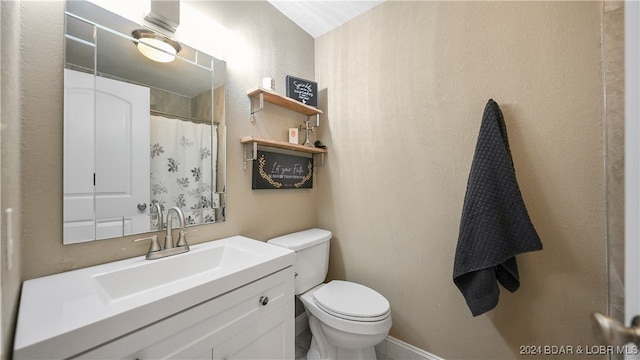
(152, 274)
(100, 303)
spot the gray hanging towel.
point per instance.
(495, 225)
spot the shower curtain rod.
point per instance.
(182, 117)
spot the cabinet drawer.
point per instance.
(194, 332)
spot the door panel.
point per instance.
(632, 162)
(611, 332)
(632, 158)
(113, 151)
(122, 157)
(79, 156)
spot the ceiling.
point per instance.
(317, 17)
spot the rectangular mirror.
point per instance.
(140, 136)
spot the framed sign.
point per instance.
(282, 171)
(305, 91)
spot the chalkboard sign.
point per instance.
(282, 171)
(305, 91)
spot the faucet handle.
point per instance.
(155, 246)
(182, 240)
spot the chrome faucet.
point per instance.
(155, 251)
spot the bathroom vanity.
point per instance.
(230, 298)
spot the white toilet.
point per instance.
(346, 319)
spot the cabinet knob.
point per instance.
(264, 300)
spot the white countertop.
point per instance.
(65, 314)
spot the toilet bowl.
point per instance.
(342, 334)
(346, 319)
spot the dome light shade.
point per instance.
(155, 46)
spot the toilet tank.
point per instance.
(312, 256)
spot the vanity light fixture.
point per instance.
(155, 46)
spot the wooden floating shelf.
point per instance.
(282, 145)
(285, 102)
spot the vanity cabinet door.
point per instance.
(227, 324)
(262, 340)
(259, 326)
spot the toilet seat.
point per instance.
(352, 301)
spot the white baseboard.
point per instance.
(391, 348)
(395, 349)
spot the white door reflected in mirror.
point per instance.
(106, 163)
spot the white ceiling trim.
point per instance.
(318, 17)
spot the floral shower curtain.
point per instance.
(182, 170)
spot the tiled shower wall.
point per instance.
(613, 58)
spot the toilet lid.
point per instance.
(351, 301)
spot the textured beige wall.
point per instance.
(259, 49)
(406, 85)
(9, 167)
